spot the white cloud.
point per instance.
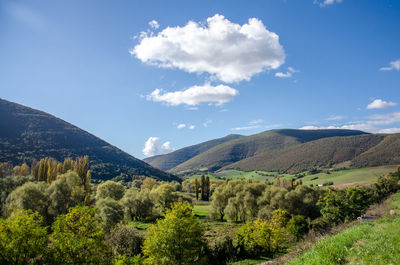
(153, 147)
(288, 74)
(380, 104)
(254, 122)
(191, 127)
(395, 65)
(335, 118)
(384, 119)
(246, 128)
(228, 51)
(195, 95)
(154, 24)
(372, 124)
(180, 126)
(390, 130)
(283, 75)
(206, 123)
(326, 2)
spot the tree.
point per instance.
(65, 192)
(196, 189)
(149, 183)
(110, 211)
(137, 204)
(163, 197)
(175, 240)
(78, 238)
(30, 196)
(22, 238)
(203, 187)
(110, 189)
(7, 185)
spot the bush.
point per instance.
(222, 251)
(125, 241)
(297, 226)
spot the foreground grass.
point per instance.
(369, 243)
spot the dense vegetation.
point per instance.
(63, 219)
(27, 135)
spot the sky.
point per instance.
(151, 77)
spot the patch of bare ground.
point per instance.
(346, 185)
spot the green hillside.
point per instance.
(27, 134)
(253, 145)
(171, 160)
(322, 153)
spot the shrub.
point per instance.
(125, 241)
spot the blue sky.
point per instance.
(179, 73)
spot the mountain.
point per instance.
(171, 160)
(325, 153)
(27, 134)
(248, 146)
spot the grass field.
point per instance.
(368, 243)
(361, 175)
(341, 177)
(201, 211)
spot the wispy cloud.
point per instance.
(154, 24)
(326, 2)
(181, 126)
(373, 124)
(288, 74)
(206, 123)
(395, 65)
(335, 118)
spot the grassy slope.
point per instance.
(368, 243)
(168, 161)
(27, 134)
(244, 147)
(360, 175)
(319, 153)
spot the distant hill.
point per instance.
(324, 153)
(171, 160)
(27, 134)
(249, 146)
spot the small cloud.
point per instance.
(326, 2)
(335, 118)
(154, 24)
(181, 126)
(380, 104)
(195, 95)
(246, 128)
(191, 127)
(206, 123)
(153, 147)
(395, 65)
(288, 74)
(254, 122)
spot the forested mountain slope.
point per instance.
(27, 134)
